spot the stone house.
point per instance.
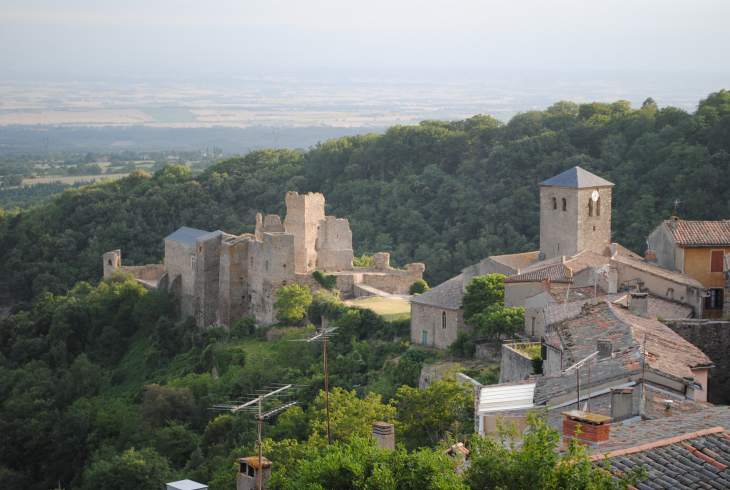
(579, 270)
(436, 315)
(219, 277)
(697, 248)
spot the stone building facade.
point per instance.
(220, 277)
(436, 315)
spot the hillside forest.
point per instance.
(98, 385)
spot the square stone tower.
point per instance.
(303, 214)
(575, 214)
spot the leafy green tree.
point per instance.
(132, 470)
(426, 417)
(498, 322)
(162, 405)
(291, 303)
(482, 293)
(350, 416)
(418, 287)
(462, 346)
(497, 462)
(243, 327)
(362, 464)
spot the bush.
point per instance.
(536, 362)
(363, 261)
(327, 282)
(291, 302)
(322, 301)
(418, 287)
(415, 355)
(462, 346)
(243, 327)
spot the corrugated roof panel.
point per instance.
(513, 397)
(186, 235)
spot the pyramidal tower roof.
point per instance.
(576, 178)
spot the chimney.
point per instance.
(622, 404)
(612, 279)
(605, 349)
(385, 434)
(248, 473)
(545, 284)
(638, 303)
(594, 428)
(674, 222)
(650, 257)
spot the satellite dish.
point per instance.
(594, 196)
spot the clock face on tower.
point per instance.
(594, 196)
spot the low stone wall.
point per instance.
(149, 272)
(713, 338)
(490, 352)
(515, 365)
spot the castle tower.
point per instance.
(575, 214)
(303, 215)
(112, 261)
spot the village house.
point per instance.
(436, 315)
(696, 248)
(219, 277)
(535, 305)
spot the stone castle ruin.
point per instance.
(219, 277)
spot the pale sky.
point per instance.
(228, 35)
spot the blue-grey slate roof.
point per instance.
(576, 178)
(186, 235)
(446, 295)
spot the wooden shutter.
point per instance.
(717, 258)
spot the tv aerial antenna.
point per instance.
(322, 337)
(253, 404)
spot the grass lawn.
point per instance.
(390, 309)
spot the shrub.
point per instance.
(244, 326)
(327, 282)
(462, 346)
(291, 302)
(419, 287)
(536, 362)
(363, 261)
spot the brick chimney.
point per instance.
(545, 283)
(639, 303)
(248, 473)
(588, 428)
(650, 257)
(385, 434)
(605, 349)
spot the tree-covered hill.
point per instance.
(444, 193)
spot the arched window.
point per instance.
(443, 319)
(565, 205)
(598, 207)
(555, 203)
(590, 207)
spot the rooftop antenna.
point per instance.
(322, 337)
(254, 405)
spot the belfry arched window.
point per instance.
(555, 203)
(565, 205)
(598, 206)
(590, 207)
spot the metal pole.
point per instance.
(260, 457)
(326, 387)
(643, 367)
(577, 378)
(589, 388)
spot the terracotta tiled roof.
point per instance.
(700, 233)
(655, 270)
(446, 295)
(695, 460)
(569, 295)
(667, 353)
(657, 307)
(555, 269)
(517, 261)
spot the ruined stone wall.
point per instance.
(515, 365)
(429, 319)
(207, 279)
(713, 338)
(395, 281)
(303, 216)
(178, 263)
(333, 245)
(111, 261)
(234, 278)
